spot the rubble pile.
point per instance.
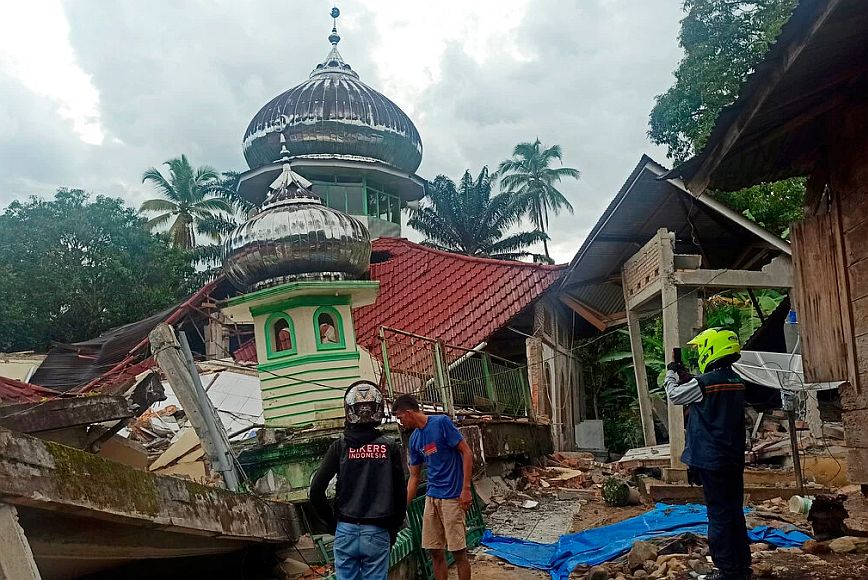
(156, 429)
(771, 441)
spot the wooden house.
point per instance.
(804, 112)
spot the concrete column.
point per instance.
(16, 558)
(645, 407)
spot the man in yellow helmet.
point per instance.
(714, 450)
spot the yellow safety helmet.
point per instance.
(714, 344)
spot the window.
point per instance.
(279, 336)
(382, 204)
(328, 327)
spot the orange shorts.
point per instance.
(443, 525)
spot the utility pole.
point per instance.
(176, 362)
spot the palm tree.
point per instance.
(467, 219)
(529, 174)
(191, 195)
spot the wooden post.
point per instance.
(794, 444)
(168, 353)
(16, 558)
(441, 379)
(671, 340)
(645, 407)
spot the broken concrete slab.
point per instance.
(50, 476)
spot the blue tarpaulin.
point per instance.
(599, 545)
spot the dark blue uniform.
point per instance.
(714, 451)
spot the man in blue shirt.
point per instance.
(440, 446)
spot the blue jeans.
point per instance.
(361, 552)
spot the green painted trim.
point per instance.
(271, 353)
(341, 344)
(294, 376)
(297, 403)
(303, 382)
(301, 286)
(308, 358)
(306, 413)
(300, 301)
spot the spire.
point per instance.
(334, 62)
(334, 38)
(289, 185)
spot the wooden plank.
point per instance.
(858, 274)
(817, 299)
(64, 413)
(857, 241)
(595, 318)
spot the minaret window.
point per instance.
(280, 336)
(328, 328)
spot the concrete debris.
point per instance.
(529, 504)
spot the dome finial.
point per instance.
(334, 37)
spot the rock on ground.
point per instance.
(640, 553)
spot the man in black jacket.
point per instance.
(714, 450)
(371, 500)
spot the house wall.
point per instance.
(554, 373)
(847, 162)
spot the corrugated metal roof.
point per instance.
(643, 205)
(774, 128)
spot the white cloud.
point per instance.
(159, 78)
(35, 49)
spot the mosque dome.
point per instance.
(296, 237)
(333, 114)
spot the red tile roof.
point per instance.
(460, 300)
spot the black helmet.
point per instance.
(364, 404)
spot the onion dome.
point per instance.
(334, 115)
(296, 237)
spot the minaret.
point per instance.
(358, 148)
(301, 266)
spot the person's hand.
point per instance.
(466, 499)
(675, 366)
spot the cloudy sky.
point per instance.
(93, 92)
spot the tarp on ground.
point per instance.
(606, 543)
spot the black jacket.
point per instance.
(370, 487)
(715, 425)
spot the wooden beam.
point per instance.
(595, 318)
(64, 413)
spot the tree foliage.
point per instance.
(468, 219)
(71, 268)
(192, 199)
(530, 176)
(723, 40)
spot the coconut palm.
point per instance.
(467, 219)
(529, 174)
(190, 195)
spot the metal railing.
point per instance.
(453, 379)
